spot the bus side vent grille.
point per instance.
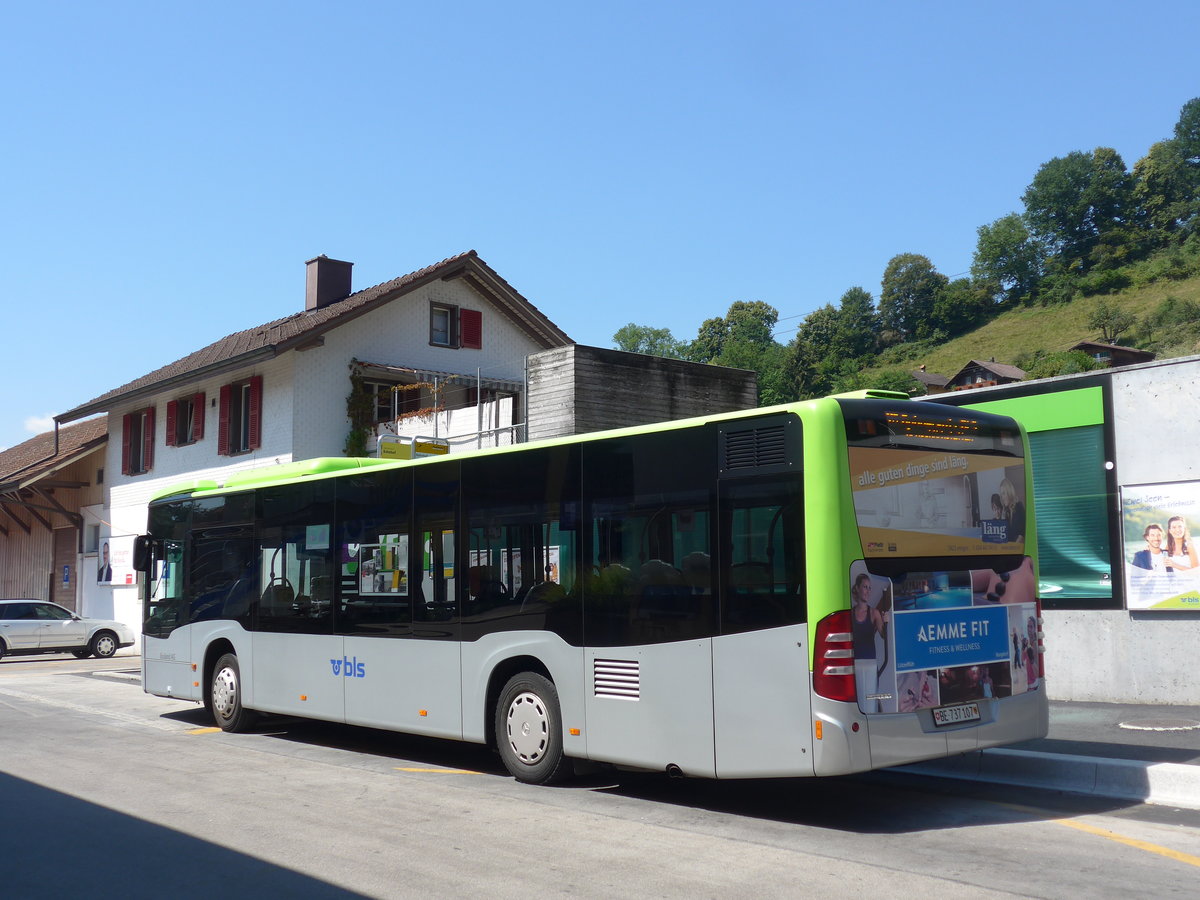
(756, 447)
(620, 679)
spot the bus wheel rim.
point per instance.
(528, 727)
(224, 692)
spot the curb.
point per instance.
(1165, 784)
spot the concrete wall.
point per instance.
(1118, 656)
(578, 389)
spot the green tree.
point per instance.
(1167, 180)
(879, 380)
(710, 338)
(856, 324)
(644, 339)
(1111, 321)
(961, 305)
(910, 288)
(1080, 206)
(750, 322)
(1006, 256)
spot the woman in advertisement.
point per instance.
(1181, 552)
(866, 622)
(1014, 511)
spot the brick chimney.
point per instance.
(326, 281)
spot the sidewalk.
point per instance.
(1123, 751)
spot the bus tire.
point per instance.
(226, 696)
(529, 729)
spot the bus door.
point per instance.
(299, 664)
(420, 680)
(761, 701)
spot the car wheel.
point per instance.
(529, 729)
(103, 645)
(2, 649)
(81, 654)
(226, 696)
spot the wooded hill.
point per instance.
(1099, 252)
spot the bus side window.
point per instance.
(762, 567)
(222, 580)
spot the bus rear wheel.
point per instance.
(529, 729)
(225, 696)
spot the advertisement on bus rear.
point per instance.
(912, 503)
(943, 639)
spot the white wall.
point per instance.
(1114, 656)
(395, 334)
(127, 496)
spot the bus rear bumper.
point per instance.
(882, 740)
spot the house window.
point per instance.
(442, 322)
(450, 326)
(240, 420)
(390, 402)
(137, 442)
(185, 420)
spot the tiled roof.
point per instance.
(27, 460)
(284, 334)
(1004, 371)
(931, 379)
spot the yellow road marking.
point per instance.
(209, 730)
(437, 771)
(1186, 858)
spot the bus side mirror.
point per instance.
(143, 552)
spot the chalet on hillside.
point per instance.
(1113, 355)
(978, 374)
(932, 382)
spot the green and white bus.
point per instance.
(812, 589)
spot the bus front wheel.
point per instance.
(529, 729)
(225, 696)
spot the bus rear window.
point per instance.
(935, 484)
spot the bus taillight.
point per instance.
(833, 661)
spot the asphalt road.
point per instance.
(108, 792)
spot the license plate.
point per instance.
(956, 715)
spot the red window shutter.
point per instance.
(223, 420)
(198, 411)
(172, 423)
(471, 329)
(255, 438)
(148, 442)
(126, 446)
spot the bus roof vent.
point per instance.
(759, 446)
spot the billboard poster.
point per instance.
(1162, 567)
(114, 560)
(912, 503)
(932, 639)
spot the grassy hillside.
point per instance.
(1054, 328)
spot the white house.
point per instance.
(439, 349)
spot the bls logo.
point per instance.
(351, 668)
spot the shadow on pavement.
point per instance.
(58, 846)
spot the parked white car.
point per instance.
(35, 626)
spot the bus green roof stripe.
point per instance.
(1047, 412)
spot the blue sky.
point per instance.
(169, 167)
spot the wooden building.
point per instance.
(45, 485)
